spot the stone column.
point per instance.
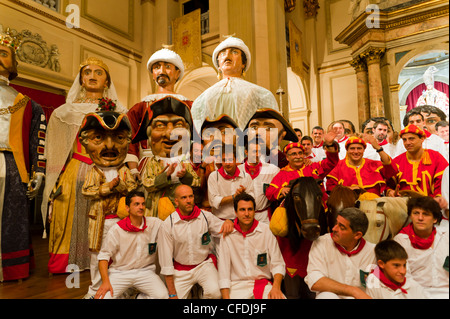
(373, 58)
(362, 88)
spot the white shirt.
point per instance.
(219, 187)
(342, 150)
(268, 172)
(372, 154)
(325, 260)
(238, 256)
(426, 265)
(377, 290)
(319, 153)
(130, 250)
(181, 240)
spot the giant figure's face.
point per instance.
(270, 130)
(165, 74)
(166, 131)
(230, 62)
(107, 148)
(6, 61)
(94, 78)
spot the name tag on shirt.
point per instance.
(261, 260)
(206, 238)
(152, 248)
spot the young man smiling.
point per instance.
(427, 246)
(358, 172)
(250, 262)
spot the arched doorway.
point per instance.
(196, 81)
(411, 78)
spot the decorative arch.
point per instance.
(196, 81)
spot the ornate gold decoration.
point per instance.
(10, 38)
(187, 41)
(289, 5)
(16, 107)
(295, 48)
(358, 64)
(373, 55)
(311, 7)
(94, 61)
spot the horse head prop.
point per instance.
(340, 197)
(305, 211)
(386, 215)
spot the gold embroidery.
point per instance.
(15, 108)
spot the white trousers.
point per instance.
(144, 280)
(205, 275)
(96, 279)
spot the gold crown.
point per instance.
(94, 61)
(7, 39)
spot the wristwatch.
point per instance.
(379, 150)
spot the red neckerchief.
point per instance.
(380, 275)
(361, 245)
(383, 143)
(226, 176)
(195, 213)
(416, 241)
(320, 145)
(259, 286)
(253, 170)
(126, 225)
(428, 134)
(238, 228)
(446, 142)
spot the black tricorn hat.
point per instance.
(273, 114)
(108, 120)
(166, 105)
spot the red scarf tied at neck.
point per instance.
(394, 286)
(245, 233)
(416, 241)
(126, 225)
(361, 245)
(253, 170)
(195, 213)
(226, 176)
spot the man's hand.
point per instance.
(114, 183)
(329, 137)
(170, 168)
(227, 227)
(284, 191)
(104, 288)
(182, 172)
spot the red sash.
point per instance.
(380, 275)
(126, 225)
(258, 287)
(361, 245)
(182, 267)
(416, 241)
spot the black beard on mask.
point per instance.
(162, 79)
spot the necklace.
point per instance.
(87, 100)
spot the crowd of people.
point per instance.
(174, 198)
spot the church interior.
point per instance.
(323, 60)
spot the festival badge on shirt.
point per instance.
(151, 248)
(446, 263)
(362, 277)
(206, 238)
(261, 260)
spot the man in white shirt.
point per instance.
(249, 257)
(427, 246)
(307, 143)
(227, 182)
(380, 132)
(185, 253)
(341, 138)
(131, 245)
(262, 174)
(336, 261)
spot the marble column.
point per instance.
(373, 58)
(362, 88)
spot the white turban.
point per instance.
(166, 55)
(428, 77)
(232, 42)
